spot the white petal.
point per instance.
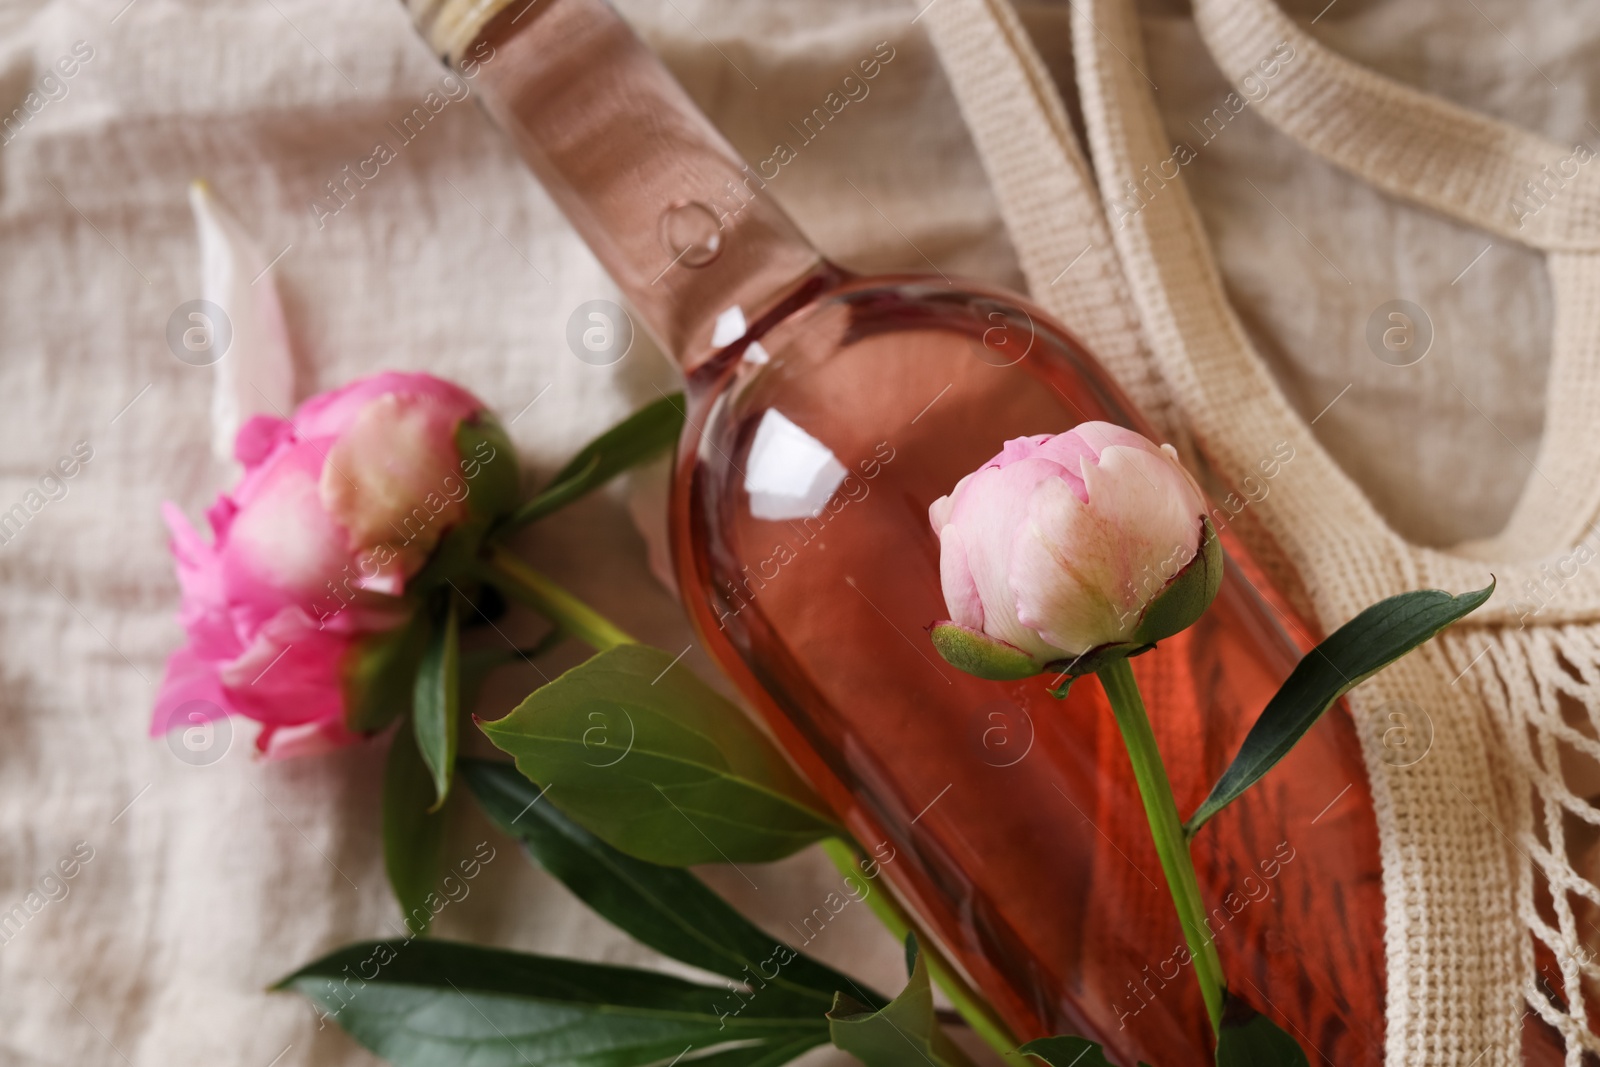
(1061, 565)
(989, 513)
(961, 598)
(256, 373)
(1151, 503)
(1084, 572)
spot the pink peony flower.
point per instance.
(1067, 545)
(300, 599)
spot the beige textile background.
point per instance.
(208, 882)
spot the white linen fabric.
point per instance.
(205, 883)
(194, 886)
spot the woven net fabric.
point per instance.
(1541, 687)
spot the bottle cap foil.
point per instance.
(451, 26)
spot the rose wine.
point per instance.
(826, 412)
(1013, 817)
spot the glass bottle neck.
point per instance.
(683, 225)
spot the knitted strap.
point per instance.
(1322, 522)
(1234, 408)
(1049, 205)
(1561, 498)
(1483, 172)
(1045, 190)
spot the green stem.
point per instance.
(1167, 830)
(971, 1006)
(527, 585)
(524, 583)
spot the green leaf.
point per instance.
(652, 761)
(437, 700)
(1067, 1052)
(666, 908)
(379, 675)
(413, 833)
(423, 1003)
(1249, 1039)
(1356, 651)
(479, 663)
(904, 1032)
(642, 436)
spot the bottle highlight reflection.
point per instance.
(826, 413)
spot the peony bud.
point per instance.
(1066, 551)
(300, 602)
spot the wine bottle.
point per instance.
(826, 411)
